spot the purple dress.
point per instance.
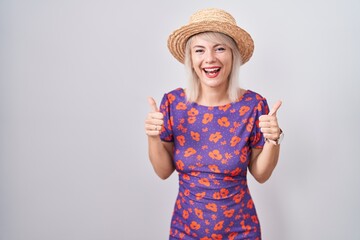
(212, 148)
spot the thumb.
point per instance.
(275, 107)
(152, 104)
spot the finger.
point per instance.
(154, 121)
(155, 115)
(152, 127)
(267, 118)
(152, 104)
(275, 108)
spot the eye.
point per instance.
(199, 50)
(220, 49)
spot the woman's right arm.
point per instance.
(160, 153)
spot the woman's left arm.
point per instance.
(263, 161)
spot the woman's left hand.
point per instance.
(269, 124)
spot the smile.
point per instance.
(212, 72)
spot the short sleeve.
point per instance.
(256, 138)
(167, 131)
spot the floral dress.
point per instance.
(212, 148)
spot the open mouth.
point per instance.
(212, 72)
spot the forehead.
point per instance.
(204, 40)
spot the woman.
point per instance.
(212, 132)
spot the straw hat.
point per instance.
(210, 20)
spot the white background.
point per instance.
(74, 78)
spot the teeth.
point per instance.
(211, 69)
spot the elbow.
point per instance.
(262, 178)
(163, 175)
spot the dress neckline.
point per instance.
(247, 91)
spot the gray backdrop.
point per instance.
(75, 76)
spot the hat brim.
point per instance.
(177, 40)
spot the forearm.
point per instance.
(160, 155)
(262, 166)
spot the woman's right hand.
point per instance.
(154, 121)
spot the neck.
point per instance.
(213, 96)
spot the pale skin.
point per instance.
(206, 55)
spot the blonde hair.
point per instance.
(193, 88)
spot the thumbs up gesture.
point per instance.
(269, 124)
(154, 120)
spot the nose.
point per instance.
(210, 57)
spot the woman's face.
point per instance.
(211, 61)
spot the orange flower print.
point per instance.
(219, 225)
(216, 195)
(171, 122)
(191, 119)
(258, 97)
(187, 229)
(250, 204)
(178, 204)
(181, 106)
(215, 154)
(193, 112)
(243, 110)
(204, 147)
(245, 150)
(208, 117)
(225, 107)
(250, 125)
(254, 219)
(229, 213)
(235, 172)
(199, 213)
(238, 197)
(216, 236)
(195, 136)
(187, 192)
(185, 214)
(243, 158)
(171, 98)
(190, 151)
(195, 173)
(204, 181)
(228, 155)
(180, 165)
(186, 177)
(224, 122)
(228, 178)
(181, 140)
(194, 225)
(234, 140)
(200, 196)
(211, 207)
(215, 137)
(232, 236)
(212, 151)
(224, 192)
(214, 168)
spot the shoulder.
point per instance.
(175, 95)
(255, 101)
(178, 92)
(252, 95)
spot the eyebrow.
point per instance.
(216, 45)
